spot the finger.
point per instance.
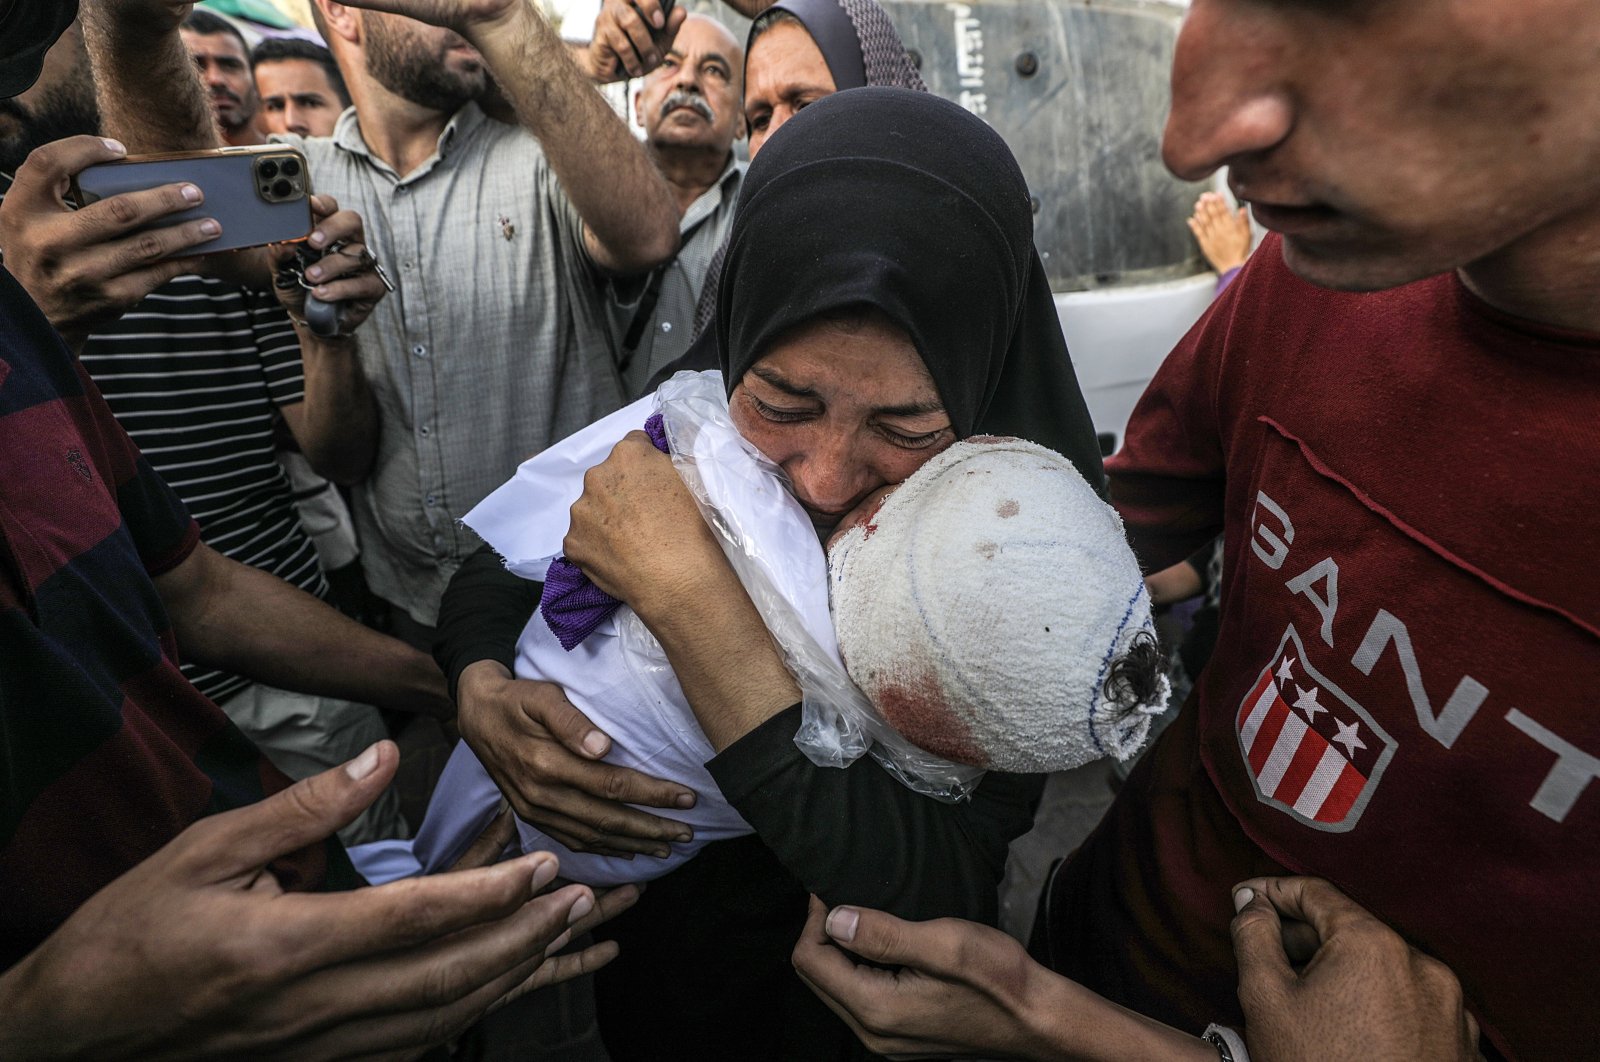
(607, 906)
(547, 705)
(931, 946)
(245, 840)
(1264, 971)
(582, 834)
(102, 261)
(599, 794)
(361, 289)
(345, 225)
(490, 844)
(325, 929)
(461, 973)
(118, 215)
(609, 782)
(638, 39)
(558, 968)
(650, 11)
(1314, 901)
(323, 206)
(44, 175)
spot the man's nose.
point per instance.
(1228, 99)
(294, 121)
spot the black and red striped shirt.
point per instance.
(106, 751)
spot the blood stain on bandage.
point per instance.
(915, 705)
(1007, 509)
(987, 550)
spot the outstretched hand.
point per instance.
(345, 274)
(262, 973)
(1364, 993)
(1222, 232)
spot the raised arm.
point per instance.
(629, 216)
(150, 97)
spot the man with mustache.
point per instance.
(223, 59)
(690, 108)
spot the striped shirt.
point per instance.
(196, 374)
(494, 345)
(106, 753)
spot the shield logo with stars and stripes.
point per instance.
(1311, 751)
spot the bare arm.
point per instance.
(149, 94)
(240, 619)
(629, 216)
(637, 534)
(337, 424)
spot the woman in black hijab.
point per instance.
(903, 208)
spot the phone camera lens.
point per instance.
(282, 189)
(268, 170)
(290, 168)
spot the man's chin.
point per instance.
(1351, 267)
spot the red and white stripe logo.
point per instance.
(1311, 751)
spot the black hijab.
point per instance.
(27, 30)
(904, 202)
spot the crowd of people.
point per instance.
(799, 565)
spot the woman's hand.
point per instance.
(544, 755)
(638, 535)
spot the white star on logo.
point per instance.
(1307, 702)
(1349, 736)
(1285, 672)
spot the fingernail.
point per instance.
(584, 905)
(209, 227)
(1242, 897)
(544, 874)
(114, 145)
(363, 764)
(314, 273)
(596, 743)
(560, 942)
(661, 853)
(841, 924)
(190, 193)
(318, 238)
(658, 20)
(685, 800)
(320, 292)
(684, 838)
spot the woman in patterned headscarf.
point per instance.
(799, 51)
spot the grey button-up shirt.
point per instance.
(668, 328)
(494, 344)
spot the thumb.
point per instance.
(1264, 970)
(245, 840)
(891, 941)
(43, 178)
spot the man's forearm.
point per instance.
(338, 429)
(624, 201)
(150, 97)
(240, 619)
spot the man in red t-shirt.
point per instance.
(1399, 703)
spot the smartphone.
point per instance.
(260, 193)
(655, 34)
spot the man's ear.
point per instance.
(638, 111)
(341, 21)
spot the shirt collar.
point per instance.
(724, 190)
(466, 121)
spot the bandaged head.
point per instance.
(993, 613)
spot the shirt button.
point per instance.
(420, 351)
(666, 327)
(423, 431)
(431, 500)
(406, 265)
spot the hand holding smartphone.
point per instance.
(259, 194)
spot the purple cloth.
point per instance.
(572, 606)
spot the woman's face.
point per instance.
(845, 408)
(784, 74)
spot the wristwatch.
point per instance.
(1229, 1044)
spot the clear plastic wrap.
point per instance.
(769, 540)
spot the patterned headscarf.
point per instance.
(861, 48)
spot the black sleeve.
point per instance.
(482, 614)
(858, 836)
